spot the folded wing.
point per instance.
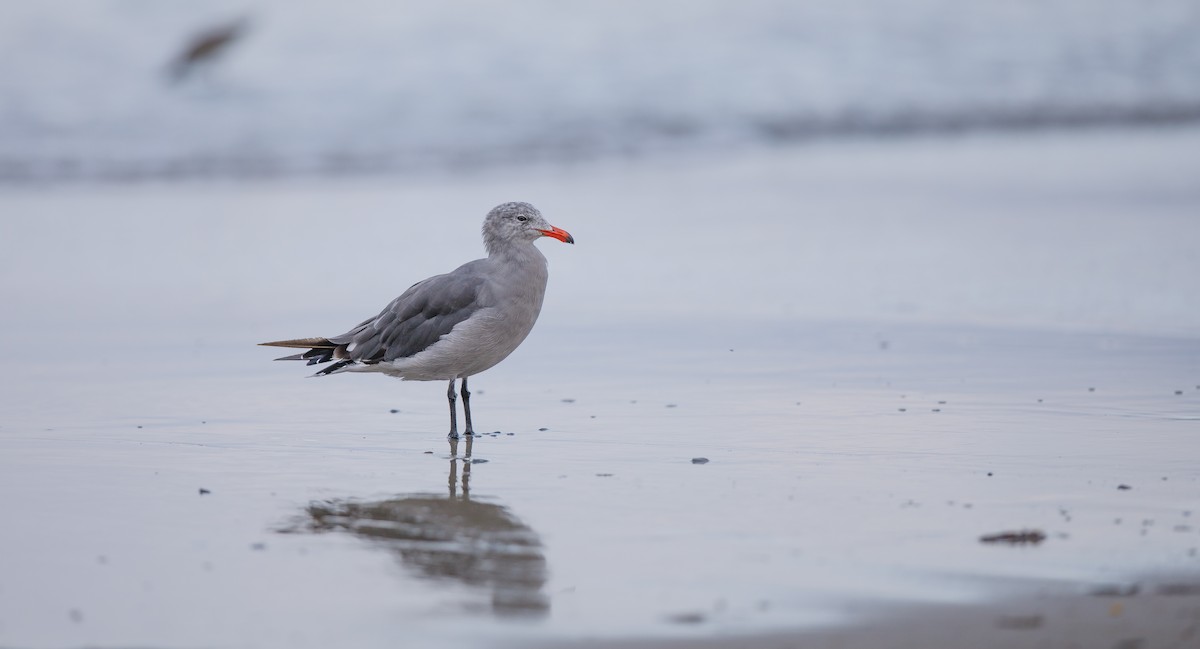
(410, 324)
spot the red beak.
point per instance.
(558, 233)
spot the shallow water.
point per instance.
(167, 485)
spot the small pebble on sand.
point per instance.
(699, 460)
(1124, 487)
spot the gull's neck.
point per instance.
(519, 252)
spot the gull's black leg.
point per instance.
(467, 407)
(453, 414)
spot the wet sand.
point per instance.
(885, 352)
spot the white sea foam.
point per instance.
(365, 85)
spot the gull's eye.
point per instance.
(522, 218)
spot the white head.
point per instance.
(517, 222)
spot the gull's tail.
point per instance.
(320, 350)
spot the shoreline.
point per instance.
(1149, 613)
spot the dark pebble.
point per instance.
(1124, 487)
(568, 401)
(671, 405)
(1179, 392)
(937, 409)
(699, 460)
(394, 411)
(903, 409)
(511, 434)
(478, 460)
(540, 430)
(258, 546)
(989, 474)
(428, 452)
(1091, 389)
(1017, 537)
(204, 492)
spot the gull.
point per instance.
(451, 326)
(206, 46)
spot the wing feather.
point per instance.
(417, 319)
(410, 324)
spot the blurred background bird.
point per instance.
(206, 47)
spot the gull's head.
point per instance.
(513, 222)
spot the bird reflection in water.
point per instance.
(450, 538)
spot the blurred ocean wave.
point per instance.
(103, 90)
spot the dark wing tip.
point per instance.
(301, 343)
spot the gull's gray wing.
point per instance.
(417, 319)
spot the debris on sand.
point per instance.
(204, 492)
(1123, 487)
(1116, 590)
(687, 618)
(1020, 622)
(699, 460)
(1019, 537)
